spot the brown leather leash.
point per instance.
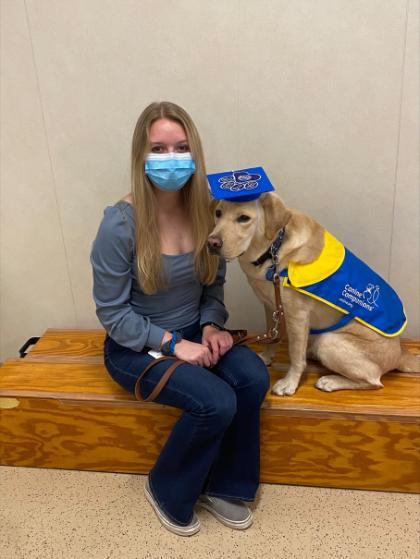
(162, 382)
(272, 336)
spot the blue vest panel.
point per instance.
(354, 289)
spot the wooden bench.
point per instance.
(60, 409)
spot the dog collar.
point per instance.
(272, 251)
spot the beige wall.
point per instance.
(323, 94)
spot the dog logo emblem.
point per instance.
(239, 180)
(371, 293)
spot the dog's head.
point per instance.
(237, 224)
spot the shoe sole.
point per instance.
(237, 525)
(179, 530)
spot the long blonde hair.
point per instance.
(195, 195)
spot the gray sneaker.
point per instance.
(192, 528)
(232, 513)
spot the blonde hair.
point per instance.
(195, 197)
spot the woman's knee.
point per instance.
(245, 370)
(262, 380)
(198, 392)
(219, 409)
(258, 385)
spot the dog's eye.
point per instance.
(243, 218)
(218, 213)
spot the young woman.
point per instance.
(156, 287)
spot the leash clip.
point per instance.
(276, 276)
(274, 330)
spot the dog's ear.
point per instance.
(275, 212)
(305, 238)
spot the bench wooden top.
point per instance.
(68, 365)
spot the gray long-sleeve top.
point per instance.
(132, 318)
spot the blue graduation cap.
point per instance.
(244, 185)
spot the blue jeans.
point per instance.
(214, 447)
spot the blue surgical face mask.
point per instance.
(169, 171)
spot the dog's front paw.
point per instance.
(284, 387)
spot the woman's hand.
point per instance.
(196, 354)
(218, 341)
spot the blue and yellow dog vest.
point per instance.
(341, 280)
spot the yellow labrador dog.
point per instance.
(357, 353)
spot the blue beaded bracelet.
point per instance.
(173, 341)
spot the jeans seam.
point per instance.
(237, 385)
(227, 375)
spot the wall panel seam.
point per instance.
(397, 154)
(50, 161)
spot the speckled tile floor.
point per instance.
(61, 514)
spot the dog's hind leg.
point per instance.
(330, 383)
(408, 362)
(356, 370)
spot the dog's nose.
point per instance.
(214, 243)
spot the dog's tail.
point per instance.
(409, 363)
